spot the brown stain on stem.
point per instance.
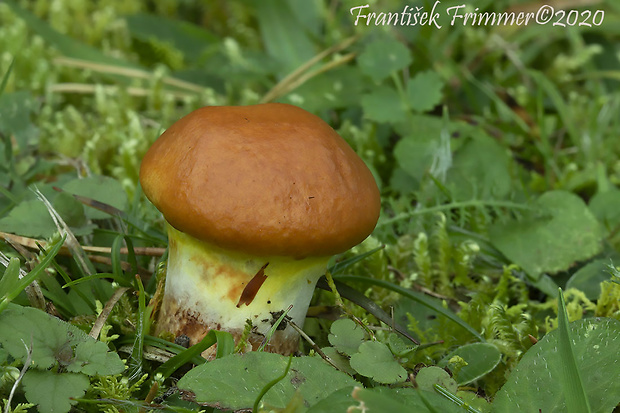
(250, 290)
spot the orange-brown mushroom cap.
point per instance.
(269, 179)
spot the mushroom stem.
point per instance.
(208, 287)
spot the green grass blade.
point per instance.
(367, 304)
(6, 76)
(116, 257)
(142, 329)
(159, 343)
(269, 385)
(63, 274)
(45, 262)
(8, 282)
(222, 338)
(455, 399)
(576, 398)
(273, 329)
(121, 280)
(420, 298)
(342, 265)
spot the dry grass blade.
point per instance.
(17, 240)
(124, 71)
(291, 81)
(313, 344)
(107, 309)
(86, 88)
(72, 242)
(32, 244)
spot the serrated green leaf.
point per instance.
(481, 359)
(54, 342)
(382, 57)
(93, 358)
(99, 188)
(427, 377)
(281, 34)
(383, 105)
(53, 392)
(424, 91)
(375, 360)
(190, 39)
(414, 152)
(480, 170)
(340, 87)
(561, 232)
(15, 111)
(235, 381)
(30, 219)
(71, 211)
(346, 336)
(4, 355)
(536, 383)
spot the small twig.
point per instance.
(294, 79)
(149, 397)
(87, 88)
(21, 375)
(419, 287)
(125, 71)
(340, 303)
(32, 244)
(309, 75)
(105, 313)
(312, 343)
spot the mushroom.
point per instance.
(257, 199)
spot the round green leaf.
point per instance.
(383, 105)
(99, 188)
(234, 382)
(383, 57)
(427, 377)
(338, 360)
(54, 392)
(481, 359)
(375, 360)
(589, 278)
(560, 231)
(54, 342)
(346, 336)
(424, 91)
(536, 383)
(480, 170)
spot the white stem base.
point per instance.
(204, 285)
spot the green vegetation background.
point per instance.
(496, 148)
